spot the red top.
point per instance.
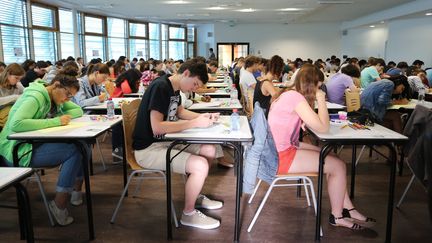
(123, 89)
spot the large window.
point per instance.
(154, 34)
(13, 30)
(116, 38)
(94, 37)
(44, 32)
(67, 42)
(177, 42)
(138, 40)
(191, 42)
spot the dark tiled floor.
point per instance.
(285, 218)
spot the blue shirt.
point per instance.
(376, 97)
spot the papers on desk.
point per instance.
(212, 85)
(411, 105)
(203, 105)
(375, 132)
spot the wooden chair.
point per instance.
(129, 113)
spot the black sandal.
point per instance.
(368, 222)
(332, 221)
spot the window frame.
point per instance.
(55, 18)
(147, 37)
(177, 26)
(104, 24)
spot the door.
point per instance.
(227, 52)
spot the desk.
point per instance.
(332, 106)
(220, 93)
(216, 105)
(10, 176)
(218, 134)
(103, 106)
(410, 106)
(135, 95)
(377, 135)
(80, 130)
(216, 85)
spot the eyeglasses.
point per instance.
(68, 93)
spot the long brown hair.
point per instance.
(11, 69)
(306, 82)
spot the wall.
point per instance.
(365, 42)
(203, 41)
(289, 41)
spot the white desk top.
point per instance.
(79, 128)
(377, 132)
(10, 175)
(216, 85)
(411, 105)
(217, 104)
(219, 92)
(103, 106)
(332, 106)
(217, 132)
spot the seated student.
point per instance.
(264, 89)
(158, 114)
(400, 69)
(247, 79)
(339, 82)
(372, 73)
(41, 107)
(212, 69)
(2, 66)
(127, 82)
(90, 91)
(10, 89)
(429, 75)
(261, 69)
(288, 113)
(32, 74)
(416, 81)
(378, 96)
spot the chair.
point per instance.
(294, 179)
(129, 113)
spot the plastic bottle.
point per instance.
(233, 93)
(103, 89)
(421, 95)
(110, 109)
(235, 121)
(141, 88)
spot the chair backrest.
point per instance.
(352, 100)
(129, 113)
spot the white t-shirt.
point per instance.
(247, 79)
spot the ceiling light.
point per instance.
(290, 9)
(428, 14)
(372, 26)
(216, 8)
(247, 10)
(382, 22)
(177, 2)
(335, 2)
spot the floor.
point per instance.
(285, 218)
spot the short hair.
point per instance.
(391, 63)
(351, 70)
(211, 49)
(402, 65)
(2, 64)
(196, 68)
(251, 60)
(213, 63)
(41, 64)
(418, 62)
(99, 67)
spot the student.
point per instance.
(10, 89)
(118, 68)
(28, 64)
(378, 96)
(261, 69)
(212, 55)
(41, 107)
(212, 68)
(416, 81)
(339, 82)
(90, 91)
(264, 89)
(247, 79)
(32, 74)
(372, 73)
(127, 83)
(288, 113)
(158, 114)
(400, 69)
(2, 66)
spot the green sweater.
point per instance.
(28, 114)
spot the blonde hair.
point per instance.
(11, 69)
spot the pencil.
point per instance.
(346, 125)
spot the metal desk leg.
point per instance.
(353, 170)
(239, 180)
(85, 164)
(323, 153)
(25, 212)
(168, 190)
(391, 193)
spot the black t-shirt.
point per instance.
(159, 96)
(29, 77)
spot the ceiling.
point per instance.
(267, 11)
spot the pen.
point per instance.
(346, 125)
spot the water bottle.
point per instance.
(235, 121)
(233, 93)
(110, 109)
(141, 88)
(421, 95)
(103, 89)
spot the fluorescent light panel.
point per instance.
(247, 10)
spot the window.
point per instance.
(165, 41)
(67, 42)
(154, 35)
(13, 30)
(116, 38)
(138, 40)
(44, 33)
(191, 47)
(177, 42)
(94, 37)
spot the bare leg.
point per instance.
(197, 167)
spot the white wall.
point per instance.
(203, 41)
(289, 41)
(410, 39)
(365, 42)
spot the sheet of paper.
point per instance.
(71, 125)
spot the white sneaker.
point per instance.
(76, 198)
(61, 215)
(204, 202)
(199, 220)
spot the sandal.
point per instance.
(333, 219)
(368, 222)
